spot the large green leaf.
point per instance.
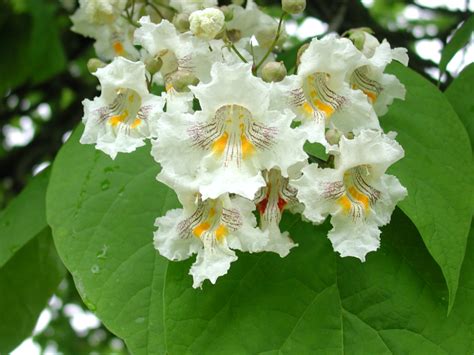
(459, 94)
(27, 281)
(34, 45)
(460, 38)
(312, 301)
(437, 171)
(24, 217)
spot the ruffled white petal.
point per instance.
(122, 73)
(168, 242)
(369, 148)
(353, 239)
(331, 55)
(315, 190)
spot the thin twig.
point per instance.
(275, 40)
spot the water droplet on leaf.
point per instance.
(105, 184)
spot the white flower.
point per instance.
(251, 21)
(188, 6)
(179, 51)
(98, 12)
(212, 229)
(357, 193)
(320, 94)
(112, 39)
(207, 23)
(224, 147)
(380, 88)
(125, 113)
(276, 196)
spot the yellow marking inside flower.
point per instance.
(136, 123)
(345, 203)
(360, 197)
(131, 98)
(117, 119)
(221, 232)
(247, 147)
(118, 48)
(371, 95)
(308, 108)
(219, 145)
(168, 87)
(201, 228)
(327, 109)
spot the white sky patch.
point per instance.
(429, 49)
(66, 136)
(450, 4)
(81, 321)
(28, 347)
(19, 136)
(40, 167)
(44, 111)
(309, 28)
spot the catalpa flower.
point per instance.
(101, 20)
(380, 88)
(271, 200)
(320, 95)
(125, 113)
(224, 147)
(178, 51)
(357, 193)
(212, 229)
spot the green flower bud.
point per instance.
(181, 22)
(154, 64)
(181, 79)
(293, 7)
(93, 64)
(228, 13)
(358, 36)
(234, 35)
(333, 136)
(273, 72)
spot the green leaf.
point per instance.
(460, 38)
(459, 95)
(24, 217)
(27, 282)
(437, 171)
(102, 214)
(46, 54)
(34, 46)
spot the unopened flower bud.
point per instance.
(333, 136)
(181, 79)
(228, 12)
(93, 64)
(181, 22)
(301, 50)
(273, 72)
(206, 23)
(154, 64)
(234, 35)
(293, 7)
(363, 40)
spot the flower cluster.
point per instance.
(230, 127)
